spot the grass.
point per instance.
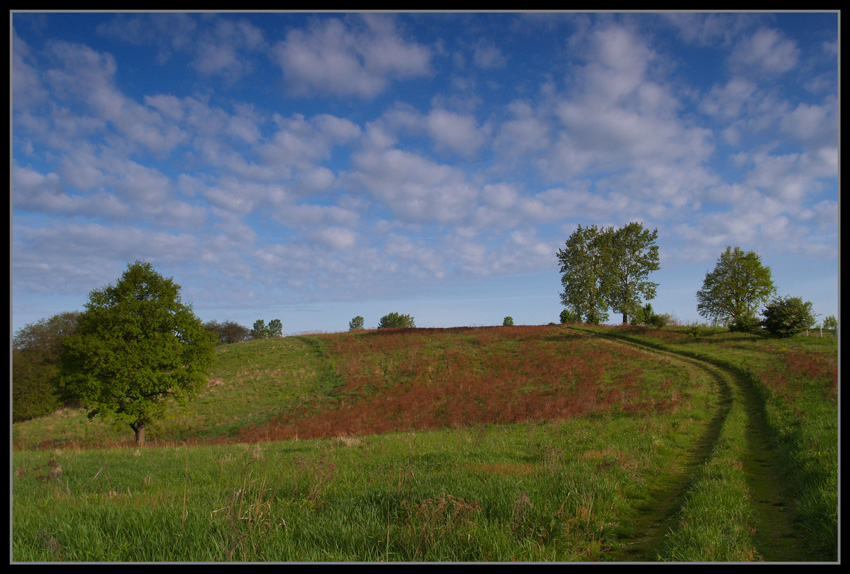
(491, 444)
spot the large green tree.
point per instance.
(583, 262)
(137, 347)
(633, 255)
(737, 286)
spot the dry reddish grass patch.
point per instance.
(417, 379)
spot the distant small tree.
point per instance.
(228, 332)
(508, 321)
(830, 322)
(396, 321)
(275, 328)
(356, 324)
(262, 331)
(786, 316)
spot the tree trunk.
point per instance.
(139, 429)
(625, 319)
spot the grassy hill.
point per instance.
(371, 382)
(506, 443)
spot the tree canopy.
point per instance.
(607, 267)
(137, 347)
(737, 286)
(633, 256)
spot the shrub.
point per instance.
(508, 322)
(786, 316)
(568, 316)
(396, 321)
(356, 324)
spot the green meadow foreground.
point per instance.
(547, 443)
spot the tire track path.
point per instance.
(775, 537)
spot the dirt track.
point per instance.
(775, 536)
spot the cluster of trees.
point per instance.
(388, 321)
(262, 331)
(739, 285)
(606, 268)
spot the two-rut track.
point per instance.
(775, 537)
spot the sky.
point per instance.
(313, 167)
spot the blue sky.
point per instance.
(313, 167)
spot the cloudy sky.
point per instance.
(315, 167)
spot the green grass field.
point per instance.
(542, 444)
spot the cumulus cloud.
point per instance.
(765, 52)
(339, 59)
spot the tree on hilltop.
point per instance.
(633, 256)
(396, 321)
(607, 267)
(136, 348)
(734, 290)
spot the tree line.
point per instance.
(136, 346)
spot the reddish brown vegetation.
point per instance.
(802, 369)
(415, 379)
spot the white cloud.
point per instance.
(345, 60)
(765, 52)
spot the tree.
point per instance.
(275, 328)
(786, 316)
(259, 329)
(228, 332)
(36, 354)
(356, 324)
(508, 321)
(396, 321)
(633, 255)
(733, 291)
(583, 262)
(262, 331)
(830, 322)
(137, 347)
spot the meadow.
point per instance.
(527, 443)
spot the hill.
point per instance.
(475, 444)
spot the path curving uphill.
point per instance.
(772, 531)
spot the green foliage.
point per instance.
(608, 267)
(356, 323)
(634, 256)
(830, 322)
(396, 321)
(262, 331)
(228, 332)
(582, 263)
(733, 291)
(646, 316)
(136, 347)
(36, 352)
(508, 321)
(568, 316)
(786, 316)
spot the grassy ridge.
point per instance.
(499, 444)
